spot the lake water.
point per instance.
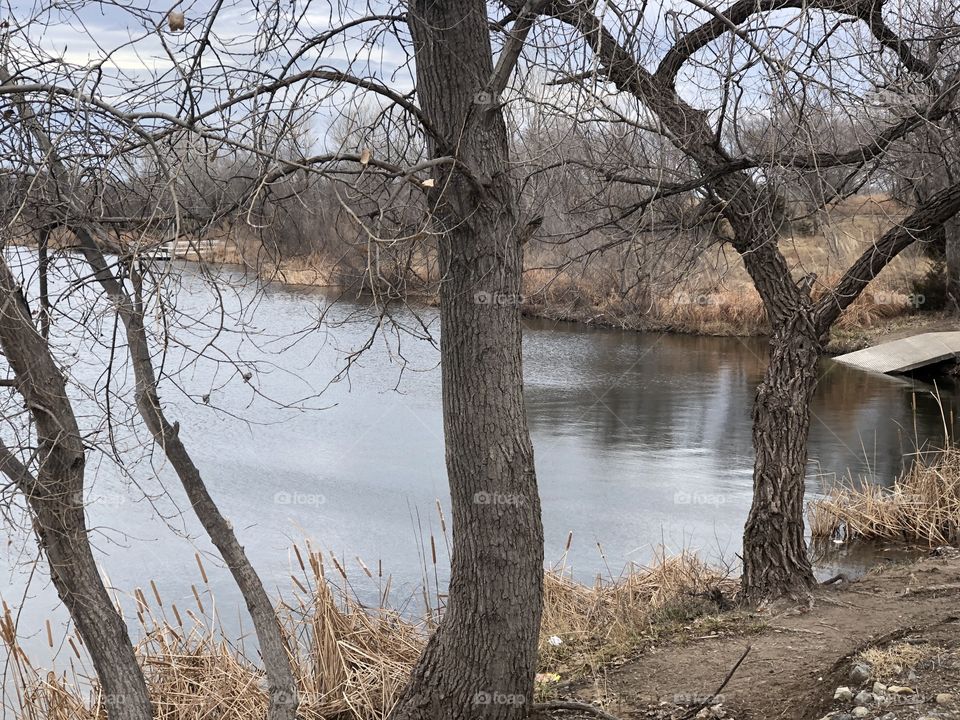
(641, 440)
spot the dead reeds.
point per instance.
(922, 506)
(350, 661)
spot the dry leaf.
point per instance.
(429, 183)
(365, 156)
(175, 20)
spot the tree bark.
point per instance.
(775, 560)
(55, 498)
(481, 661)
(952, 229)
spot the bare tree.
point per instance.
(720, 50)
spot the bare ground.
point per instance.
(800, 655)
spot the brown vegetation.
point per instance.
(922, 506)
(352, 661)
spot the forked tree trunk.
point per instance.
(282, 687)
(55, 497)
(775, 560)
(283, 696)
(481, 661)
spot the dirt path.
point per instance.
(796, 663)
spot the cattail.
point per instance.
(156, 593)
(365, 568)
(203, 572)
(196, 595)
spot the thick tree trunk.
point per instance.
(952, 230)
(55, 497)
(775, 560)
(481, 661)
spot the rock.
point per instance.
(860, 673)
(860, 711)
(879, 688)
(945, 699)
(864, 697)
(900, 690)
(888, 716)
(843, 694)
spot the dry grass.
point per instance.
(591, 626)
(714, 295)
(350, 661)
(892, 661)
(922, 506)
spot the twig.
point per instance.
(571, 705)
(709, 701)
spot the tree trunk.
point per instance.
(775, 560)
(282, 687)
(55, 497)
(952, 231)
(481, 661)
(283, 700)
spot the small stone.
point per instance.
(860, 711)
(860, 673)
(864, 697)
(879, 688)
(888, 716)
(900, 690)
(843, 694)
(945, 699)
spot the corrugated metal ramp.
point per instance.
(906, 354)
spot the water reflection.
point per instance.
(640, 440)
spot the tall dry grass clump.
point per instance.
(922, 506)
(351, 661)
(587, 626)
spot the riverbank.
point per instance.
(886, 646)
(692, 286)
(651, 645)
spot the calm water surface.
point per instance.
(641, 440)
